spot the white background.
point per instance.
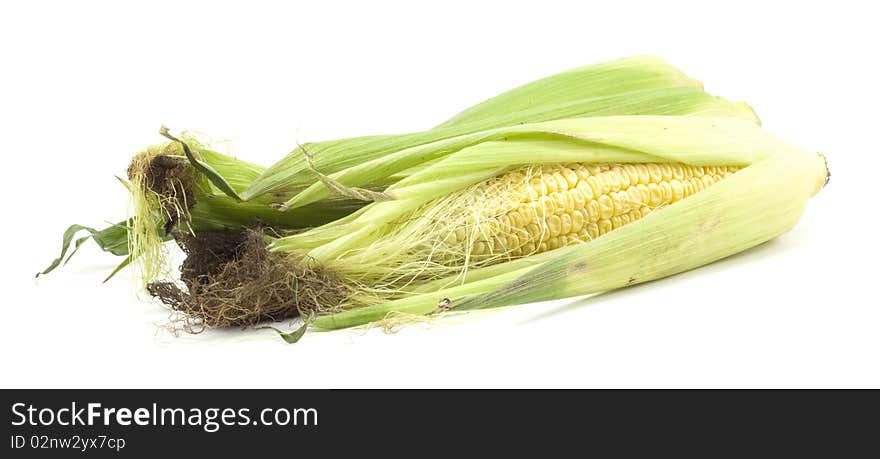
(84, 85)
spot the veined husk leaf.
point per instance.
(592, 80)
(752, 206)
(632, 86)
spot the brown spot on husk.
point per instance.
(232, 279)
(578, 267)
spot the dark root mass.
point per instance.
(232, 279)
(171, 178)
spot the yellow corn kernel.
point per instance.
(577, 199)
(582, 172)
(578, 220)
(635, 196)
(571, 177)
(665, 191)
(535, 231)
(504, 224)
(593, 210)
(565, 223)
(635, 215)
(620, 200)
(677, 189)
(550, 183)
(708, 180)
(554, 225)
(595, 185)
(654, 170)
(585, 190)
(480, 248)
(656, 196)
(632, 174)
(614, 180)
(605, 226)
(645, 193)
(593, 230)
(677, 171)
(561, 181)
(644, 174)
(665, 171)
(606, 206)
(560, 202)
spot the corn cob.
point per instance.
(568, 203)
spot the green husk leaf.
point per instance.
(596, 89)
(590, 81)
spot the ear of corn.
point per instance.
(633, 86)
(593, 179)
